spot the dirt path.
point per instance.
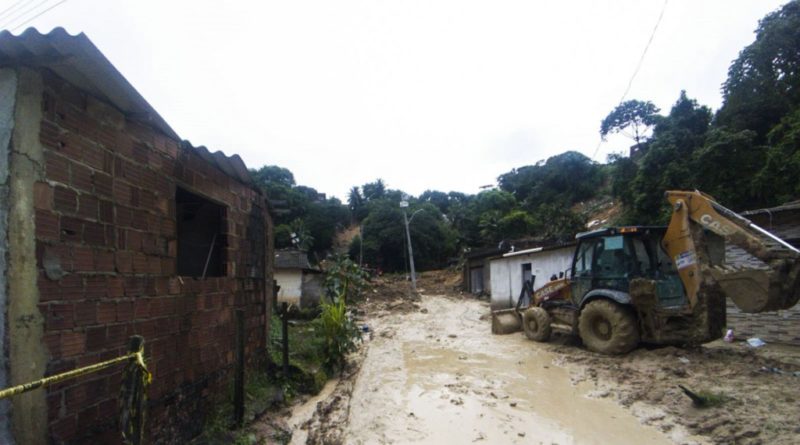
(438, 376)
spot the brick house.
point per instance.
(110, 226)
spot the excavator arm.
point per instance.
(774, 286)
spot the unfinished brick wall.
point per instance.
(106, 248)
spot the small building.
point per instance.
(300, 283)
(112, 226)
(512, 269)
(477, 273)
(773, 327)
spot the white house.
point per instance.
(513, 268)
(300, 284)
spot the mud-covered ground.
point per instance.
(758, 390)
(431, 372)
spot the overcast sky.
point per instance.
(425, 94)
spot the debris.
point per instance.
(728, 336)
(452, 335)
(683, 360)
(704, 399)
(513, 404)
(756, 342)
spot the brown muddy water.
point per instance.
(438, 376)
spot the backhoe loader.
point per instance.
(661, 285)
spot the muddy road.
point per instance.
(430, 372)
(436, 375)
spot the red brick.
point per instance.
(106, 211)
(115, 287)
(104, 261)
(87, 206)
(94, 157)
(106, 312)
(54, 405)
(71, 229)
(153, 265)
(65, 429)
(49, 134)
(103, 184)
(59, 316)
(72, 344)
(71, 287)
(47, 226)
(95, 338)
(82, 259)
(94, 234)
(65, 200)
(95, 287)
(117, 334)
(42, 196)
(124, 262)
(81, 177)
(56, 167)
(141, 309)
(125, 311)
(139, 262)
(85, 313)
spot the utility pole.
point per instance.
(407, 221)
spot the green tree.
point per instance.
(632, 118)
(763, 82)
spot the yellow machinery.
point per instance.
(661, 285)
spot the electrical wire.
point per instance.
(638, 66)
(38, 15)
(14, 6)
(22, 14)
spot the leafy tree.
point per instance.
(777, 182)
(374, 190)
(763, 83)
(567, 178)
(631, 118)
(668, 165)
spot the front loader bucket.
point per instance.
(506, 321)
(758, 290)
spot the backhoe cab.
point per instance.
(661, 285)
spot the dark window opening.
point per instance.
(201, 237)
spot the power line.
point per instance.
(638, 66)
(38, 15)
(17, 5)
(16, 17)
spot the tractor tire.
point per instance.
(536, 323)
(608, 328)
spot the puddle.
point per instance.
(443, 378)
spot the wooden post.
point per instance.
(285, 332)
(238, 385)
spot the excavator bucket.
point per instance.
(506, 321)
(759, 290)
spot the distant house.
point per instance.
(510, 270)
(476, 272)
(772, 327)
(300, 283)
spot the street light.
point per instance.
(407, 221)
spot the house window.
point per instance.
(201, 237)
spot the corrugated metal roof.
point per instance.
(292, 259)
(75, 59)
(794, 205)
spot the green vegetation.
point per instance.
(746, 155)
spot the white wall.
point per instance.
(506, 273)
(291, 283)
